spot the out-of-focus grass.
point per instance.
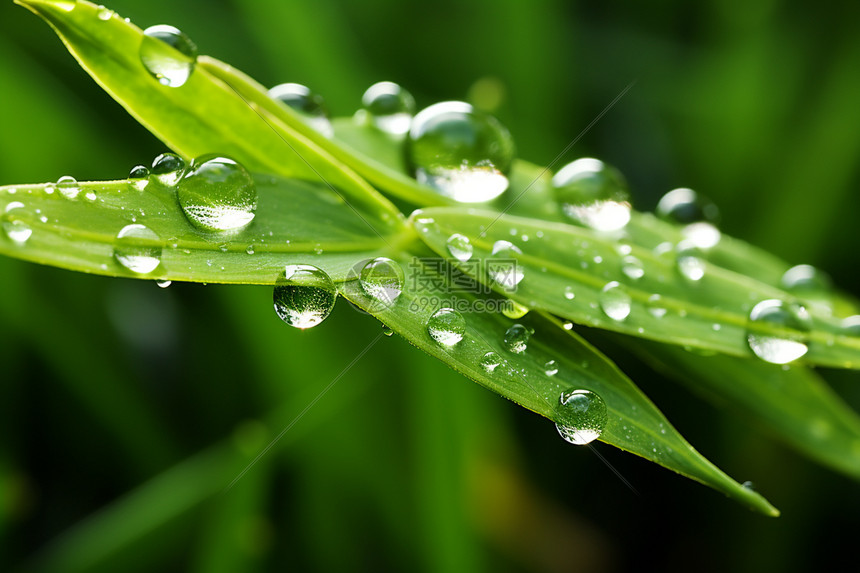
(754, 107)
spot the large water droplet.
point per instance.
(18, 231)
(503, 268)
(389, 106)
(490, 361)
(460, 247)
(382, 280)
(304, 296)
(517, 338)
(806, 280)
(593, 194)
(785, 336)
(138, 249)
(581, 416)
(698, 214)
(68, 187)
(138, 177)
(168, 55)
(308, 104)
(446, 326)
(462, 153)
(615, 301)
(217, 194)
(167, 169)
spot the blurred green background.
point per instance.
(126, 409)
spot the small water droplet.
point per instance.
(632, 267)
(138, 177)
(551, 368)
(851, 325)
(309, 105)
(503, 268)
(581, 416)
(567, 325)
(513, 309)
(104, 14)
(462, 153)
(90, 196)
(163, 283)
(490, 361)
(167, 169)
(168, 55)
(806, 281)
(702, 234)
(690, 261)
(446, 326)
(217, 194)
(382, 280)
(568, 293)
(68, 187)
(304, 296)
(684, 206)
(460, 247)
(18, 231)
(614, 301)
(517, 338)
(250, 249)
(788, 324)
(389, 106)
(386, 330)
(138, 249)
(592, 194)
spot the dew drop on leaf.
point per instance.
(68, 187)
(386, 330)
(217, 194)
(592, 194)
(389, 106)
(490, 361)
(690, 261)
(696, 213)
(308, 104)
(777, 331)
(614, 301)
(167, 169)
(632, 267)
(581, 416)
(460, 247)
(446, 326)
(163, 283)
(568, 293)
(168, 55)
(138, 177)
(382, 280)
(851, 325)
(138, 249)
(551, 368)
(18, 231)
(462, 153)
(503, 268)
(807, 282)
(513, 309)
(104, 14)
(304, 296)
(517, 338)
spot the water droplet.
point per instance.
(250, 250)
(567, 325)
(684, 206)
(18, 231)
(690, 261)
(104, 14)
(614, 301)
(382, 280)
(167, 169)
(389, 106)
(306, 103)
(386, 330)
(785, 336)
(551, 368)
(68, 187)
(851, 325)
(517, 338)
(513, 309)
(702, 234)
(632, 267)
(503, 268)
(446, 326)
(460, 247)
(217, 194)
(304, 296)
(593, 194)
(490, 361)
(138, 249)
(168, 55)
(568, 293)
(460, 152)
(163, 284)
(807, 282)
(581, 416)
(138, 177)
(748, 485)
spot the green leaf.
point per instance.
(710, 314)
(794, 403)
(204, 115)
(295, 222)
